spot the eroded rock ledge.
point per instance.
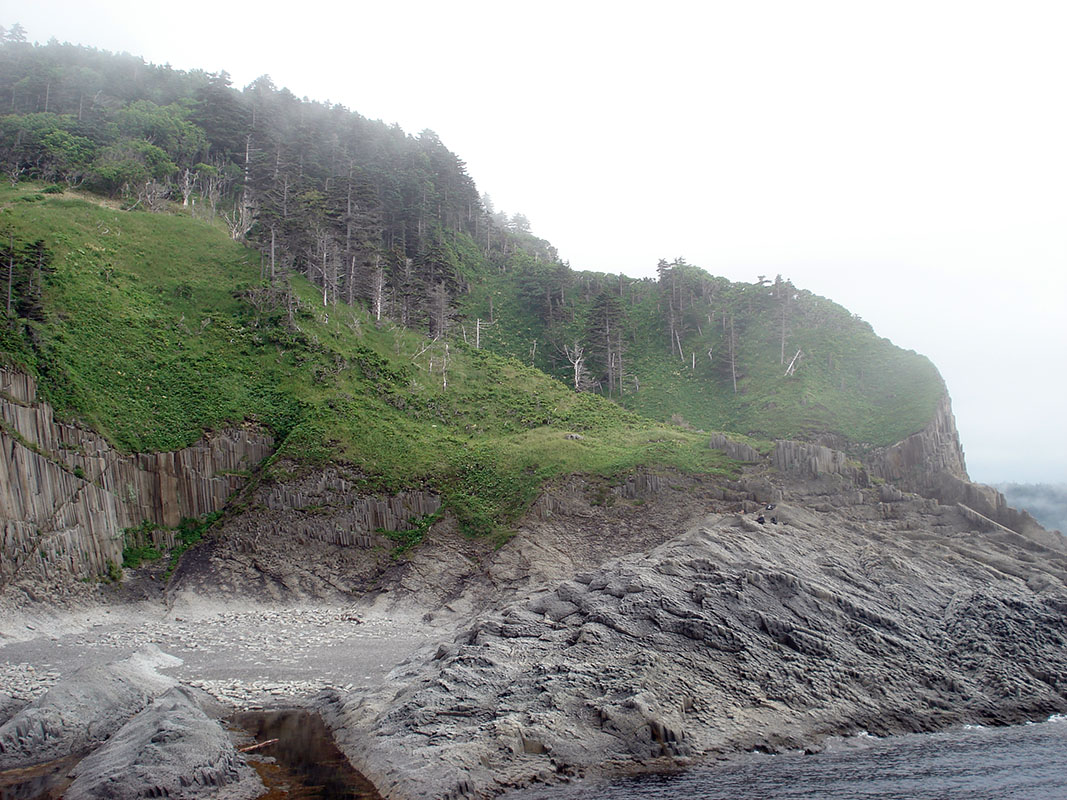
(861, 609)
(318, 536)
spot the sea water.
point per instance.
(1028, 762)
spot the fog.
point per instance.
(905, 159)
(1045, 502)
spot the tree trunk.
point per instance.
(379, 287)
(733, 355)
(272, 262)
(782, 361)
(10, 272)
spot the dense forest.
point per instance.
(368, 213)
(391, 223)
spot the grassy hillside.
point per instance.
(848, 381)
(152, 328)
(374, 217)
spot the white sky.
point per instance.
(906, 159)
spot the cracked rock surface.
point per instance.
(78, 713)
(733, 636)
(170, 749)
(650, 624)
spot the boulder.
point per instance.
(170, 749)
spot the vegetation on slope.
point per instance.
(363, 210)
(387, 316)
(153, 328)
(765, 359)
(377, 218)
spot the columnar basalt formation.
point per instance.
(320, 534)
(931, 463)
(331, 507)
(738, 451)
(924, 457)
(66, 495)
(813, 460)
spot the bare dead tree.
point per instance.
(731, 352)
(792, 368)
(186, 184)
(10, 269)
(239, 220)
(576, 357)
(439, 307)
(445, 359)
(378, 287)
(478, 325)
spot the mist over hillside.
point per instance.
(288, 405)
(1046, 502)
(389, 227)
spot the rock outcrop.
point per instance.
(653, 622)
(813, 460)
(738, 451)
(933, 451)
(931, 463)
(314, 536)
(66, 495)
(883, 612)
(170, 749)
(80, 712)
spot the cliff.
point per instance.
(931, 463)
(914, 462)
(319, 536)
(650, 623)
(66, 495)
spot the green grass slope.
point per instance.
(154, 328)
(848, 382)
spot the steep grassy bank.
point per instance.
(372, 215)
(152, 328)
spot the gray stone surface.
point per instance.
(80, 712)
(66, 494)
(733, 636)
(648, 623)
(9, 706)
(170, 749)
(738, 451)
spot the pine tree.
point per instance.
(606, 317)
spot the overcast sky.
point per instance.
(905, 159)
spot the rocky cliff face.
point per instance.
(652, 623)
(931, 463)
(933, 451)
(315, 536)
(864, 605)
(66, 494)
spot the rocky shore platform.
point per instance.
(652, 623)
